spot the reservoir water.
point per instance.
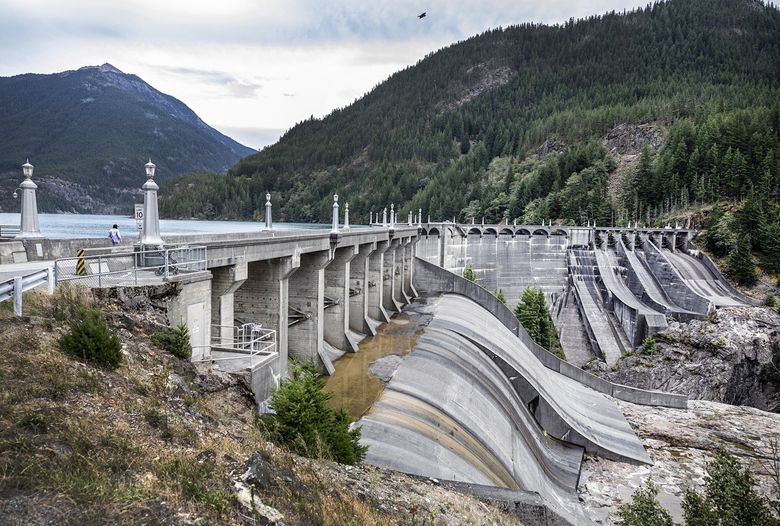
(80, 226)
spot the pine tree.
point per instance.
(740, 265)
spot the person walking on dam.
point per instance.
(114, 235)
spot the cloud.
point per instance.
(254, 68)
(253, 137)
(230, 84)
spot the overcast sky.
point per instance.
(253, 68)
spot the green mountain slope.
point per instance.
(707, 69)
(89, 132)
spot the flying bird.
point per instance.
(422, 15)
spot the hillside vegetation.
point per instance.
(457, 133)
(89, 133)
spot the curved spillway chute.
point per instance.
(565, 408)
(699, 278)
(449, 412)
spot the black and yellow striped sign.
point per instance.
(81, 263)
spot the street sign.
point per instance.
(139, 216)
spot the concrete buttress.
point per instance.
(264, 298)
(390, 289)
(376, 281)
(358, 283)
(307, 296)
(337, 274)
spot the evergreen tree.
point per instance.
(500, 296)
(740, 264)
(644, 509)
(533, 315)
(469, 274)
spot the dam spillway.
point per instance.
(607, 289)
(472, 404)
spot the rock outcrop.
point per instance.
(732, 357)
(681, 443)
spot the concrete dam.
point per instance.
(476, 401)
(608, 288)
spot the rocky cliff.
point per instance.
(732, 357)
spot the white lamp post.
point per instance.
(268, 221)
(150, 235)
(29, 226)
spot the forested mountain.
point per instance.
(456, 134)
(90, 131)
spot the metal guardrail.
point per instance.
(17, 286)
(248, 341)
(140, 267)
(9, 231)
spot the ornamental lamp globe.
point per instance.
(150, 166)
(27, 169)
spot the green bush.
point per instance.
(176, 341)
(304, 422)
(90, 339)
(730, 498)
(770, 301)
(644, 509)
(500, 296)
(468, 273)
(649, 346)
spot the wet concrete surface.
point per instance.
(352, 386)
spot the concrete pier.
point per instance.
(307, 296)
(390, 290)
(359, 296)
(337, 285)
(264, 298)
(225, 281)
(376, 284)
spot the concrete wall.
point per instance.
(337, 283)
(224, 283)
(431, 278)
(358, 281)
(264, 297)
(193, 308)
(307, 294)
(376, 284)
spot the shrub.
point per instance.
(305, 423)
(90, 339)
(500, 296)
(176, 341)
(770, 301)
(468, 273)
(65, 303)
(730, 499)
(649, 346)
(644, 509)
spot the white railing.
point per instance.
(9, 231)
(240, 342)
(140, 267)
(17, 286)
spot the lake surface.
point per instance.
(80, 226)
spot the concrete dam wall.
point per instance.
(607, 289)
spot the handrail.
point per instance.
(124, 268)
(18, 285)
(249, 340)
